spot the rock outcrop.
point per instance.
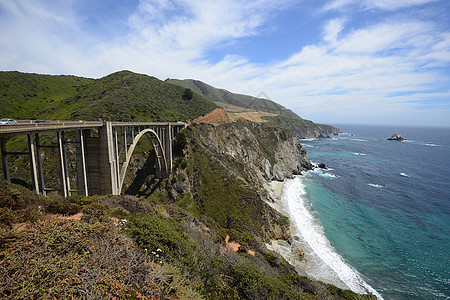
(322, 166)
(396, 137)
(329, 129)
(272, 153)
(304, 129)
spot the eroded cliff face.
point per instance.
(271, 153)
(304, 129)
(224, 170)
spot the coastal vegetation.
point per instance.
(169, 238)
(133, 248)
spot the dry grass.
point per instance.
(254, 116)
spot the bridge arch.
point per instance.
(163, 168)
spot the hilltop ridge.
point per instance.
(258, 110)
(120, 96)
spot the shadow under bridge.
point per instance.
(126, 138)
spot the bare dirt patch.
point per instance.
(234, 246)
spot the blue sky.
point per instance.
(337, 61)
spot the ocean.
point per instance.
(378, 219)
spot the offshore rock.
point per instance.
(322, 166)
(396, 137)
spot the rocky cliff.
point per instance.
(304, 129)
(222, 171)
(271, 153)
(329, 129)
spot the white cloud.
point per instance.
(394, 4)
(332, 30)
(385, 37)
(388, 5)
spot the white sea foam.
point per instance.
(319, 170)
(404, 175)
(331, 267)
(376, 185)
(358, 140)
(330, 175)
(357, 153)
(431, 145)
(309, 146)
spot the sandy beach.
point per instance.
(292, 250)
(296, 251)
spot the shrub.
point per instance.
(120, 212)
(154, 232)
(187, 94)
(68, 259)
(60, 205)
(95, 212)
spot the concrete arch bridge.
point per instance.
(103, 152)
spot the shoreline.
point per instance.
(293, 251)
(297, 251)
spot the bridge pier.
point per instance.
(82, 174)
(33, 167)
(5, 165)
(101, 174)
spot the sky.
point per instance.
(375, 62)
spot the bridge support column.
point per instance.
(102, 164)
(168, 147)
(65, 184)
(33, 169)
(5, 165)
(82, 179)
(39, 166)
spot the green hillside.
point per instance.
(29, 96)
(121, 96)
(250, 108)
(221, 96)
(127, 96)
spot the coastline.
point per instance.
(293, 251)
(297, 251)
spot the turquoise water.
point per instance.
(384, 208)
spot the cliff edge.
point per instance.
(225, 169)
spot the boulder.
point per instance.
(322, 166)
(396, 137)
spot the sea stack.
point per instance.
(396, 137)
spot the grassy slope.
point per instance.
(28, 96)
(126, 96)
(121, 96)
(285, 117)
(223, 96)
